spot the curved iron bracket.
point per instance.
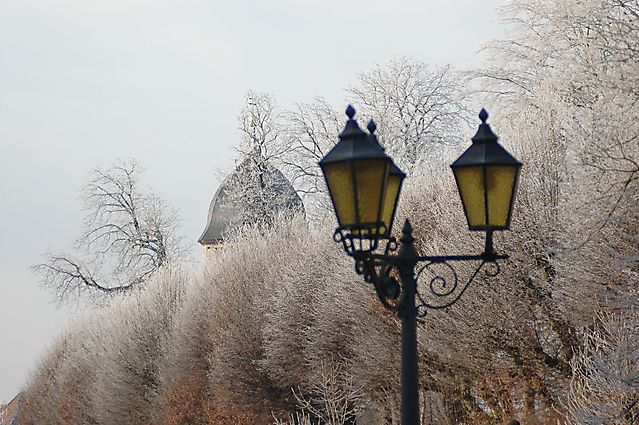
(437, 283)
(444, 289)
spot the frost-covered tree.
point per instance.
(564, 90)
(135, 338)
(257, 189)
(311, 130)
(419, 109)
(128, 235)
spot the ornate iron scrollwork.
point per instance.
(437, 283)
(444, 289)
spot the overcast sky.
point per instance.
(84, 82)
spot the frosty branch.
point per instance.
(128, 235)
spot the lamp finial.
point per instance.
(371, 126)
(350, 112)
(483, 115)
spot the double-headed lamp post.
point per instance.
(365, 184)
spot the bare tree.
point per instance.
(128, 235)
(311, 130)
(418, 109)
(420, 112)
(261, 129)
(257, 189)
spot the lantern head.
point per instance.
(356, 173)
(486, 176)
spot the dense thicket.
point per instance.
(279, 328)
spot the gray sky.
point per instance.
(83, 83)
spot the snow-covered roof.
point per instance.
(229, 206)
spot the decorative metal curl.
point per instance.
(492, 268)
(439, 281)
(340, 237)
(391, 245)
(445, 291)
(389, 290)
(366, 269)
(379, 273)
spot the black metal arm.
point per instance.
(385, 271)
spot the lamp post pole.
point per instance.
(407, 257)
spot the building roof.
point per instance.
(236, 200)
(10, 413)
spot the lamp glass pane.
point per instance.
(370, 176)
(501, 179)
(390, 200)
(339, 178)
(470, 181)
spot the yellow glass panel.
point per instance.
(471, 189)
(390, 199)
(340, 184)
(370, 177)
(501, 180)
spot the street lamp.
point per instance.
(356, 173)
(364, 185)
(486, 176)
